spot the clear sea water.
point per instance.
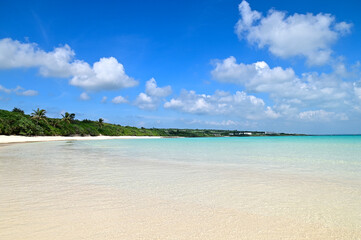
(304, 187)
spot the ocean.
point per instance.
(291, 187)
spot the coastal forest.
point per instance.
(16, 122)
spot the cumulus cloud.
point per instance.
(84, 96)
(19, 91)
(153, 95)
(270, 113)
(14, 54)
(119, 100)
(153, 90)
(287, 36)
(106, 74)
(257, 77)
(220, 103)
(146, 102)
(284, 86)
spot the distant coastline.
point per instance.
(18, 123)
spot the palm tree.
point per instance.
(100, 122)
(38, 114)
(68, 117)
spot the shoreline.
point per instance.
(4, 139)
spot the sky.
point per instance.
(275, 66)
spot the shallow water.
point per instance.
(198, 188)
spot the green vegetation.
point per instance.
(101, 122)
(17, 122)
(18, 110)
(68, 117)
(38, 114)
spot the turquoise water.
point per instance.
(312, 183)
(324, 154)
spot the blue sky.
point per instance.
(280, 66)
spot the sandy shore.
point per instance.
(22, 139)
(139, 190)
(81, 191)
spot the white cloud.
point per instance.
(221, 103)
(285, 36)
(106, 74)
(224, 123)
(153, 95)
(257, 77)
(152, 89)
(14, 54)
(119, 99)
(284, 86)
(356, 87)
(271, 113)
(19, 91)
(321, 115)
(28, 93)
(84, 96)
(5, 90)
(287, 110)
(146, 102)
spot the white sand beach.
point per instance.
(23, 139)
(189, 188)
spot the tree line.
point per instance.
(16, 122)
